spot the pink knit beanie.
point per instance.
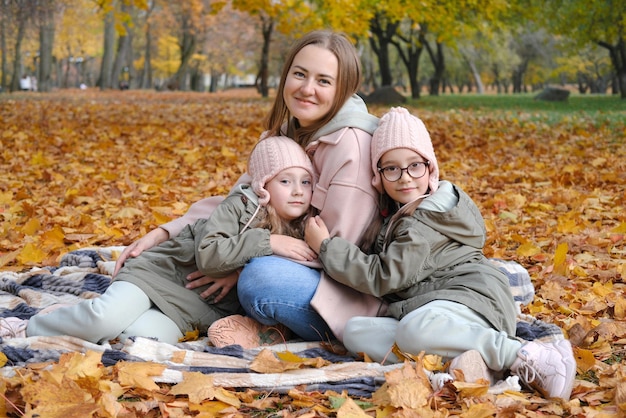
(399, 129)
(269, 157)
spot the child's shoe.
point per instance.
(13, 327)
(550, 368)
(246, 332)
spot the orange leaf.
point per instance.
(139, 374)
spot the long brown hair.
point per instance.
(268, 218)
(348, 80)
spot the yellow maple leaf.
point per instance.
(197, 386)
(31, 254)
(528, 250)
(190, 336)
(53, 238)
(584, 359)
(227, 397)
(350, 409)
(408, 387)
(291, 357)
(75, 365)
(139, 375)
(480, 410)
(6, 198)
(226, 152)
(127, 213)
(31, 227)
(471, 390)
(267, 362)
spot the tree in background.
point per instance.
(47, 13)
(19, 10)
(589, 66)
(156, 43)
(292, 17)
(77, 45)
(602, 22)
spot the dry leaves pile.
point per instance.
(89, 168)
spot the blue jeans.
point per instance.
(276, 290)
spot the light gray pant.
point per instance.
(440, 327)
(123, 310)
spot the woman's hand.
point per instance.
(315, 233)
(151, 239)
(218, 288)
(290, 247)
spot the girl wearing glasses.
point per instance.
(444, 296)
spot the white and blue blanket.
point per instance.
(85, 274)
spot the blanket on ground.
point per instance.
(85, 274)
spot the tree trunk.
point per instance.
(439, 65)
(106, 68)
(618, 59)
(383, 32)
(146, 79)
(46, 43)
(496, 78)
(411, 59)
(267, 24)
(518, 76)
(180, 80)
(21, 30)
(197, 79)
(480, 87)
(121, 63)
(215, 76)
(3, 46)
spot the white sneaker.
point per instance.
(13, 327)
(550, 368)
(472, 365)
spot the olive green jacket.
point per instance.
(217, 246)
(425, 257)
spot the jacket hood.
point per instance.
(462, 223)
(245, 190)
(353, 114)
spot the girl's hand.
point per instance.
(315, 233)
(290, 247)
(151, 239)
(218, 288)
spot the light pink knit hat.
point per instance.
(272, 155)
(399, 129)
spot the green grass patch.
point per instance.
(599, 109)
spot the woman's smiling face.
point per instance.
(311, 84)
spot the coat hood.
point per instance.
(353, 114)
(462, 222)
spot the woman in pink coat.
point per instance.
(316, 105)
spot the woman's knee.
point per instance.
(270, 275)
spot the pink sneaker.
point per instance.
(472, 365)
(13, 327)
(550, 368)
(246, 332)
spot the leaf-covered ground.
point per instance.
(86, 168)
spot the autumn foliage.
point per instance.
(86, 168)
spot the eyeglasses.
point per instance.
(415, 170)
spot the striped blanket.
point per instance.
(85, 274)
